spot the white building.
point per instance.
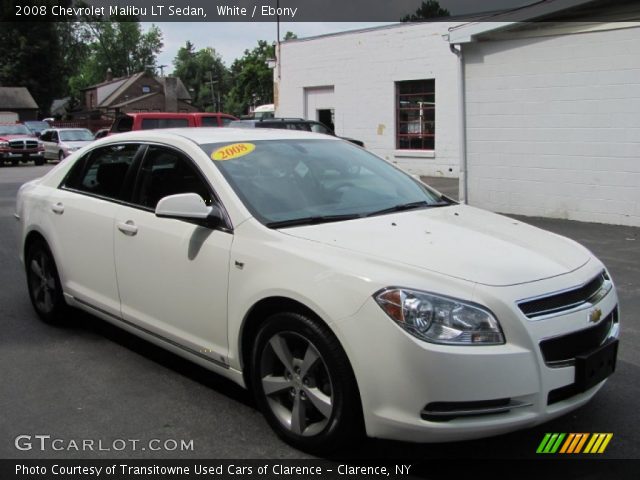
(394, 88)
(538, 118)
(553, 114)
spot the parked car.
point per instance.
(153, 120)
(60, 142)
(343, 292)
(18, 144)
(103, 132)
(36, 127)
(291, 124)
(264, 111)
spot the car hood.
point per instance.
(458, 241)
(17, 137)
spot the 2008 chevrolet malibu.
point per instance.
(345, 294)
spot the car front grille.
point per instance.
(560, 302)
(561, 351)
(23, 144)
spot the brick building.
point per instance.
(141, 92)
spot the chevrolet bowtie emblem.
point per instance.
(595, 315)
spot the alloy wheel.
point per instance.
(297, 384)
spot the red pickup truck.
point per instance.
(152, 120)
(18, 144)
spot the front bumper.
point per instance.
(403, 380)
(22, 154)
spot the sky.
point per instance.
(231, 39)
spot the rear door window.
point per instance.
(103, 171)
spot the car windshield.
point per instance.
(296, 182)
(17, 129)
(75, 135)
(36, 126)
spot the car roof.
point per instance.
(157, 115)
(67, 128)
(204, 135)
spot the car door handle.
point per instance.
(128, 227)
(57, 208)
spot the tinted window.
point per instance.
(46, 136)
(226, 121)
(54, 136)
(167, 172)
(152, 123)
(123, 124)
(103, 171)
(209, 121)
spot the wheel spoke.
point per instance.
(319, 400)
(35, 268)
(47, 300)
(280, 348)
(298, 416)
(271, 384)
(37, 292)
(310, 358)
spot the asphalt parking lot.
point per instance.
(89, 380)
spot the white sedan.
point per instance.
(345, 294)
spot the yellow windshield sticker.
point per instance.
(229, 152)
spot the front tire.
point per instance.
(60, 156)
(43, 281)
(39, 162)
(303, 383)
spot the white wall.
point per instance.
(553, 125)
(363, 68)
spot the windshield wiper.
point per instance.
(408, 206)
(313, 220)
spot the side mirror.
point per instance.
(189, 207)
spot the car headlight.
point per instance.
(439, 319)
(4, 144)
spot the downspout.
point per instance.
(462, 123)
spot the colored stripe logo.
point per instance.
(574, 443)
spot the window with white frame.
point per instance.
(416, 115)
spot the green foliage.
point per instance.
(252, 79)
(204, 74)
(121, 46)
(31, 53)
(428, 10)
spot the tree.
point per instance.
(31, 53)
(252, 79)
(428, 10)
(290, 36)
(121, 46)
(200, 72)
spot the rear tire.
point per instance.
(304, 385)
(60, 156)
(43, 281)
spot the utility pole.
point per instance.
(213, 98)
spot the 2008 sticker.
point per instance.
(235, 150)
